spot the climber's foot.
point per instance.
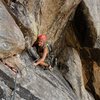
(34, 64)
(12, 68)
(50, 68)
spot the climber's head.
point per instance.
(42, 38)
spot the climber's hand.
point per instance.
(35, 64)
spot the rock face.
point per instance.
(91, 51)
(73, 74)
(90, 56)
(39, 17)
(35, 83)
(96, 71)
(72, 27)
(94, 9)
(11, 38)
(90, 61)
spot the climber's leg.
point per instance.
(44, 64)
(13, 68)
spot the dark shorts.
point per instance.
(33, 53)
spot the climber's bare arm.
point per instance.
(41, 60)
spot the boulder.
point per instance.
(11, 38)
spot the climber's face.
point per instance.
(41, 43)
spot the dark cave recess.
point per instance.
(83, 26)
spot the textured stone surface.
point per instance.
(94, 10)
(91, 67)
(47, 16)
(37, 84)
(11, 38)
(96, 83)
(72, 71)
(82, 33)
(73, 31)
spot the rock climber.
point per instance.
(39, 51)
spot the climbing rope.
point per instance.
(12, 96)
(14, 91)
